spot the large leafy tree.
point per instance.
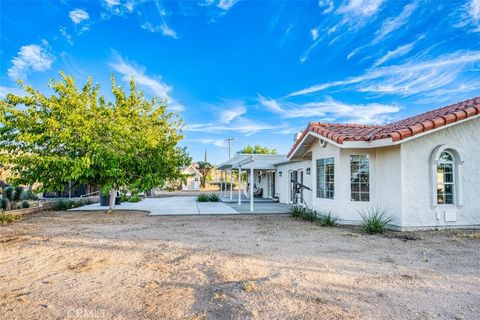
(77, 135)
(257, 149)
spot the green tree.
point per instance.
(257, 149)
(205, 169)
(76, 135)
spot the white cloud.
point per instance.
(475, 10)
(232, 112)
(30, 58)
(314, 33)
(398, 52)
(13, 90)
(332, 110)
(226, 4)
(78, 15)
(163, 29)
(360, 8)
(408, 78)
(470, 16)
(327, 4)
(66, 35)
(128, 70)
(394, 23)
(221, 143)
(240, 125)
(112, 3)
(167, 31)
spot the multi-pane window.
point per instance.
(445, 181)
(359, 178)
(325, 178)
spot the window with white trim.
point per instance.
(325, 178)
(445, 178)
(359, 178)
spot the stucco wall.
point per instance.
(418, 209)
(282, 184)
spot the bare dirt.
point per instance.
(128, 265)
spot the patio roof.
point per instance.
(260, 161)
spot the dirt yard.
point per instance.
(128, 265)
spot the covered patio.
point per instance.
(259, 184)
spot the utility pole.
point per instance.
(229, 147)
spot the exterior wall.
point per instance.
(193, 181)
(282, 183)
(418, 208)
(384, 182)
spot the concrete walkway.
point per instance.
(168, 206)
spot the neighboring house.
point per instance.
(193, 179)
(425, 170)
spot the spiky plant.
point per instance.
(327, 219)
(375, 219)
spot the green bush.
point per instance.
(123, 198)
(134, 198)
(17, 195)
(213, 197)
(7, 217)
(31, 195)
(63, 205)
(303, 213)
(25, 204)
(327, 219)
(375, 219)
(9, 193)
(202, 197)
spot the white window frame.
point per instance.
(457, 175)
(360, 184)
(325, 182)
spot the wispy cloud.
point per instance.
(163, 29)
(408, 78)
(221, 143)
(78, 15)
(398, 52)
(327, 4)
(394, 23)
(13, 90)
(314, 34)
(66, 35)
(153, 84)
(226, 4)
(470, 16)
(332, 110)
(30, 58)
(241, 125)
(232, 111)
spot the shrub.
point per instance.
(8, 193)
(202, 197)
(327, 219)
(375, 219)
(213, 197)
(17, 195)
(3, 204)
(303, 213)
(123, 198)
(25, 204)
(7, 217)
(62, 205)
(31, 195)
(135, 198)
(297, 211)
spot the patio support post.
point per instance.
(239, 185)
(251, 185)
(231, 185)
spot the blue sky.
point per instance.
(257, 71)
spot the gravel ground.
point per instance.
(127, 265)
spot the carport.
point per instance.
(263, 164)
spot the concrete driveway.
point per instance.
(168, 206)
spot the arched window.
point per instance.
(446, 179)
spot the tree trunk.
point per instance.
(113, 195)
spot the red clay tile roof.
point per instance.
(396, 130)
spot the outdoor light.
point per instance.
(308, 170)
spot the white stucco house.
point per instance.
(425, 170)
(193, 180)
